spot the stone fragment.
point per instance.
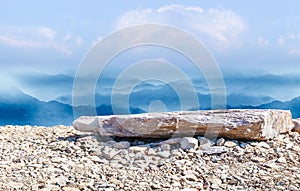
(176, 184)
(232, 124)
(204, 142)
(230, 144)
(281, 160)
(214, 180)
(243, 144)
(296, 125)
(215, 186)
(189, 143)
(289, 145)
(190, 177)
(264, 145)
(136, 149)
(67, 188)
(254, 144)
(109, 153)
(61, 181)
(215, 150)
(166, 147)
(220, 142)
(121, 145)
(164, 154)
(258, 159)
(110, 143)
(296, 148)
(151, 151)
(95, 159)
(271, 165)
(189, 189)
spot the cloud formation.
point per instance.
(220, 28)
(291, 43)
(262, 42)
(38, 38)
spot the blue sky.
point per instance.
(257, 37)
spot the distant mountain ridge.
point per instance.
(143, 97)
(293, 105)
(18, 108)
(49, 87)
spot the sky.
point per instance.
(257, 37)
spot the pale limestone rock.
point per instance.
(258, 159)
(122, 145)
(232, 124)
(297, 125)
(215, 150)
(165, 147)
(190, 177)
(189, 143)
(220, 142)
(172, 141)
(264, 145)
(151, 151)
(109, 153)
(281, 160)
(230, 144)
(164, 154)
(135, 149)
(204, 142)
(189, 189)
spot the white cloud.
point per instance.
(38, 38)
(18, 43)
(67, 37)
(262, 42)
(290, 42)
(78, 41)
(219, 28)
(281, 41)
(180, 9)
(45, 32)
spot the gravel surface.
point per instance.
(61, 158)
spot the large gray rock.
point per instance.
(233, 124)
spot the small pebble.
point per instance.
(230, 144)
(281, 160)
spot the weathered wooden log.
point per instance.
(233, 124)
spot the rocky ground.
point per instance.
(61, 158)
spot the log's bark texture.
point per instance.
(233, 124)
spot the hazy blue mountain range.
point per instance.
(142, 99)
(18, 108)
(293, 105)
(281, 87)
(48, 98)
